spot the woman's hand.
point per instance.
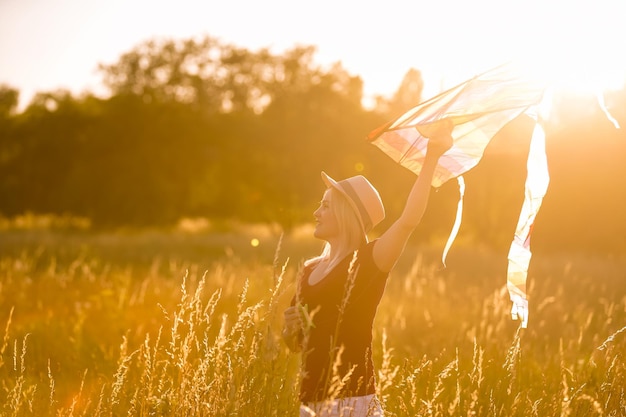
(293, 319)
(439, 136)
(293, 327)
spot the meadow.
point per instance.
(187, 323)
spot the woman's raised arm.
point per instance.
(390, 245)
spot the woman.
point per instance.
(331, 315)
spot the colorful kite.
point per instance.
(479, 108)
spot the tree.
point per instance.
(408, 95)
(9, 99)
(206, 73)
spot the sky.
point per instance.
(47, 45)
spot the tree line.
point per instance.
(199, 127)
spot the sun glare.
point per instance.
(579, 48)
(583, 72)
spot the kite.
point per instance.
(479, 108)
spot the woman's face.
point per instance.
(326, 225)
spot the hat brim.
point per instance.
(329, 181)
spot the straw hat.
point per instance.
(363, 198)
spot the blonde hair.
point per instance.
(349, 227)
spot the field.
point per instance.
(176, 323)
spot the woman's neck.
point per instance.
(337, 252)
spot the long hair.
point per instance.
(353, 235)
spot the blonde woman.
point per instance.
(331, 315)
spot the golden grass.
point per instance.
(144, 325)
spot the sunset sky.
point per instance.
(51, 44)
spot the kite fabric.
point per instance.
(478, 108)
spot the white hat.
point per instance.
(363, 198)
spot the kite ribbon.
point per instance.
(605, 110)
(457, 220)
(537, 180)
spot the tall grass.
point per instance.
(87, 331)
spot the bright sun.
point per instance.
(578, 47)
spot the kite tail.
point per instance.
(609, 116)
(537, 180)
(457, 220)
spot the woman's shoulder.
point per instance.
(368, 247)
(366, 251)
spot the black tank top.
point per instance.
(346, 304)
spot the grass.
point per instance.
(182, 324)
